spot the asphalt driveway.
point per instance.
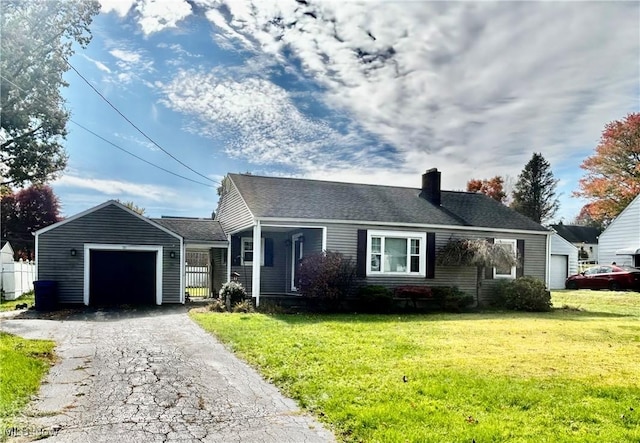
(152, 375)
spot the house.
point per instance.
(563, 261)
(620, 242)
(391, 232)
(265, 226)
(110, 254)
(585, 238)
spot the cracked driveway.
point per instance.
(152, 375)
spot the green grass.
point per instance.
(565, 376)
(23, 364)
(10, 305)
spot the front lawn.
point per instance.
(565, 376)
(23, 364)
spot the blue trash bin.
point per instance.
(46, 294)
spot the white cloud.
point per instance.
(126, 56)
(120, 7)
(459, 83)
(157, 15)
(101, 66)
(257, 121)
(116, 188)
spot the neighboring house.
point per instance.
(585, 238)
(392, 233)
(563, 261)
(620, 242)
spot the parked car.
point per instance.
(611, 277)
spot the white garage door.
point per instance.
(558, 271)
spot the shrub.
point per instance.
(245, 306)
(377, 299)
(523, 294)
(216, 305)
(326, 277)
(451, 298)
(231, 293)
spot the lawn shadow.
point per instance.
(571, 314)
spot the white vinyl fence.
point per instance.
(17, 277)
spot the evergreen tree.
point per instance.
(534, 193)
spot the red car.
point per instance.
(611, 277)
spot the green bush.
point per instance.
(375, 299)
(523, 294)
(451, 298)
(231, 293)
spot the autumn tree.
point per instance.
(492, 187)
(25, 212)
(613, 172)
(37, 40)
(534, 193)
(131, 205)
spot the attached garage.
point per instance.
(110, 255)
(563, 261)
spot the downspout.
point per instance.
(257, 259)
(547, 277)
(228, 258)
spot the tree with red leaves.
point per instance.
(613, 172)
(23, 213)
(493, 187)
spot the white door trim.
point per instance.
(294, 237)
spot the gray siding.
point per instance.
(108, 225)
(233, 213)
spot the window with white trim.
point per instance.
(396, 253)
(246, 254)
(506, 272)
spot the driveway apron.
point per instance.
(153, 375)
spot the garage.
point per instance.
(111, 255)
(563, 261)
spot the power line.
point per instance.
(134, 125)
(136, 156)
(121, 148)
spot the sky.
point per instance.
(367, 92)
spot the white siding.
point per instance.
(561, 247)
(623, 232)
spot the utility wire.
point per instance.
(119, 147)
(136, 156)
(134, 125)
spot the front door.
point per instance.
(297, 251)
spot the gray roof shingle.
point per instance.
(323, 200)
(194, 229)
(578, 234)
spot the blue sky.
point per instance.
(369, 92)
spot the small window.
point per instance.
(506, 272)
(246, 257)
(396, 252)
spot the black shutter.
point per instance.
(235, 251)
(431, 254)
(268, 252)
(361, 258)
(520, 265)
(488, 270)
